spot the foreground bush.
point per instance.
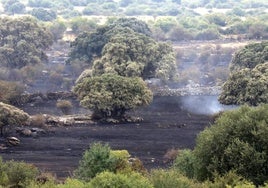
(112, 180)
(95, 160)
(17, 174)
(100, 158)
(231, 179)
(171, 178)
(236, 142)
(185, 163)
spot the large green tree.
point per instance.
(112, 95)
(22, 42)
(125, 47)
(88, 45)
(248, 80)
(236, 142)
(132, 54)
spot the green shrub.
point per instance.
(122, 157)
(19, 173)
(95, 160)
(48, 184)
(72, 183)
(111, 180)
(171, 178)
(237, 141)
(231, 179)
(3, 175)
(185, 162)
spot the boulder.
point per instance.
(12, 141)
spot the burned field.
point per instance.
(166, 125)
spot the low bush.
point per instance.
(18, 174)
(3, 175)
(170, 155)
(95, 160)
(185, 163)
(65, 106)
(111, 180)
(171, 178)
(231, 179)
(10, 92)
(38, 120)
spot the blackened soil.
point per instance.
(166, 125)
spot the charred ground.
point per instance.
(166, 125)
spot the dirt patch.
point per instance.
(166, 125)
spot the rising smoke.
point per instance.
(205, 105)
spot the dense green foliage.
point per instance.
(111, 95)
(246, 86)
(16, 174)
(13, 6)
(248, 80)
(96, 160)
(250, 56)
(236, 142)
(125, 48)
(109, 180)
(22, 41)
(87, 45)
(185, 163)
(100, 158)
(132, 54)
(170, 178)
(43, 14)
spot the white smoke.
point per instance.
(205, 105)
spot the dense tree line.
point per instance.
(248, 80)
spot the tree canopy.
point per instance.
(125, 47)
(132, 54)
(22, 41)
(13, 6)
(250, 56)
(248, 80)
(112, 95)
(236, 142)
(87, 45)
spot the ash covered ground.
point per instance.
(168, 123)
